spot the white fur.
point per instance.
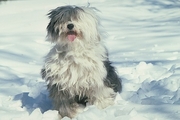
(79, 70)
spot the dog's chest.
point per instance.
(80, 72)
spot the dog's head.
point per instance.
(71, 23)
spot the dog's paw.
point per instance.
(80, 108)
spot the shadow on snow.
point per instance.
(42, 102)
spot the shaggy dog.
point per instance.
(77, 68)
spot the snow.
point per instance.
(143, 42)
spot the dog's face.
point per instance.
(71, 23)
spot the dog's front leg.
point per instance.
(68, 108)
(65, 103)
(102, 97)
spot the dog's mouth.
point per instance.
(71, 35)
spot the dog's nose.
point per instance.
(70, 26)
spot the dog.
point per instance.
(77, 69)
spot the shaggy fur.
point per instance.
(77, 68)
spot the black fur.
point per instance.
(112, 80)
(65, 103)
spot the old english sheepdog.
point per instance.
(77, 68)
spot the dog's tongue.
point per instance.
(71, 37)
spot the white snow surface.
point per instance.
(143, 39)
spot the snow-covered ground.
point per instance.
(144, 44)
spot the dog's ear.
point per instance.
(52, 28)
